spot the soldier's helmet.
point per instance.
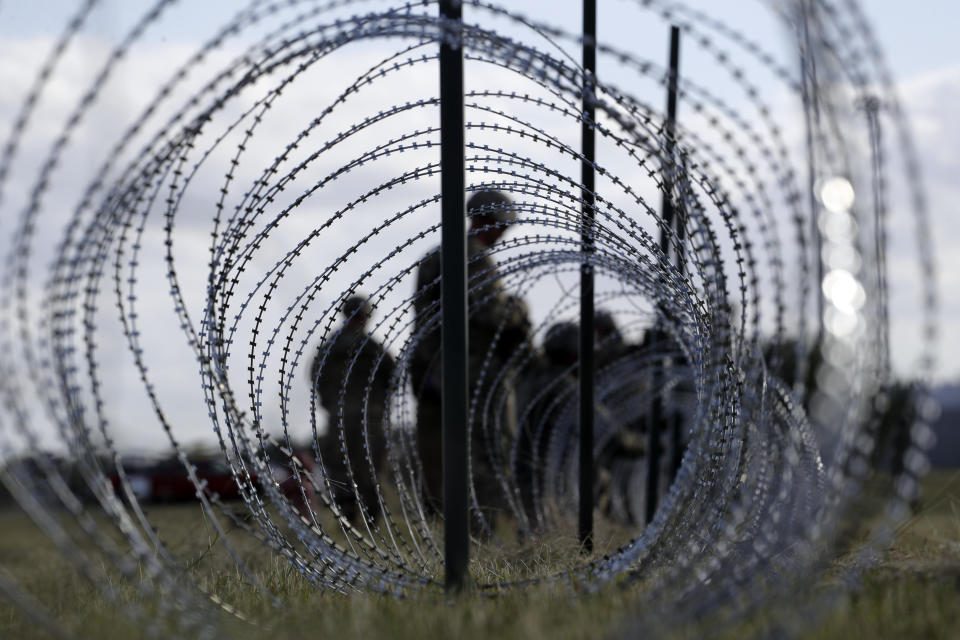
(492, 204)
(356, 304)
(562, 342)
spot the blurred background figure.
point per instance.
(623, 381)
(498, 325)
(548, 386)
(351, 375)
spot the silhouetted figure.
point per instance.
(894, 412)
(622, 382)
(549, 384)
(497, 326)
(608, 339)
(351, 374)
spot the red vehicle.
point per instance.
(166, 480)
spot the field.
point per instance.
(913, 592)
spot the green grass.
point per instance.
(913, 592)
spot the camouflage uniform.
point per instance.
(330, 382)
(495, 312)
(549, 421)
(620, 386)
(547, 387)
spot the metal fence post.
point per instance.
(454, 332)
(586, 365)
(667, 213)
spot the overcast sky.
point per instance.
(919, 39)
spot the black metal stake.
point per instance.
(586, 367)
(453, 282)
(667, 210)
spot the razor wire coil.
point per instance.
(260, 238)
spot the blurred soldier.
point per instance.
(498, 325)
(334, 379)
(549, 424)
(620, 379)
(549, 385)
(609, 343)
(622, 382)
